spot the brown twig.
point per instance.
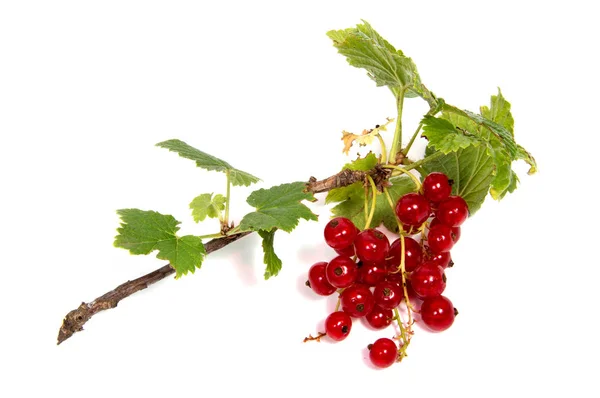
(74, 320)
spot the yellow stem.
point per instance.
(373, 202)
(401, 170)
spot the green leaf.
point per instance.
(209, 162)
(352, 204)
(499, 112)
(143, 232)
(364, 48)
(522, 154)
(271, 260)
(206, 206)
(362, 164)
(278, 207)
(471, 170)
(444, 137)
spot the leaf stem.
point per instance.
(227, 198)
(383, 148)
(373, 202)
(397, 140)
(405, 171)
(421, 162)
(412, 139)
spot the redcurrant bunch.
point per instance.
(373, 277)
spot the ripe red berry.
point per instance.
(317, 280)
(357, 301)
(413, 255)
(371, 273)
(340, 233)
(436, 187)
(438, 313)
(443, 259)
(388, 295)
(413, 209)
(455, 230)
(372, 246)
(338, 325)
(452, 211)
(383, 353)
(439, 238)
(379, 318)
(428, 280)
(341, 272)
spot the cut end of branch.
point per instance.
(74, 322)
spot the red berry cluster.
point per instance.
(367, 271)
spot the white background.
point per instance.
(88, 88)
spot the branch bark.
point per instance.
(75, 319)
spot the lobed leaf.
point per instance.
(209, 162)
(445, 137)
(142, 232)
(278, 207)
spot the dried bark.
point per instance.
(75, 319)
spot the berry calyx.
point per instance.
(413, 209)
(388, 295)
(428, 280)
(357, 301)
(341, 272)
(440, 238)
(438, 313)
(338, 325)
(436, 187)
(413, 255)
(452, 211)
(317, 280)
(340, 233)
(383, 353)
(379, 318)
(372, 246)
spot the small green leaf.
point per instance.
(206, 206)
(278, 207)
(471, 170)
(522, 154)
(209, 162)
(271, 260)
(444, 137)
(143, 232)
(362, 164)
(352, 204)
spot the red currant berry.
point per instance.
(371, 273)
(338, 325)
(340, 233)
(317, 280)
(346, 251)
(436, 187)
(372, 246)
(452, 211)
(379, 318)
(455, 230)
(439, 238)
(428, 280)
(413, 255)
(413, 209)
(383, 353)
(357, 300)
(388, 295)
(438, 313)
(444, 259)
(341, 272)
